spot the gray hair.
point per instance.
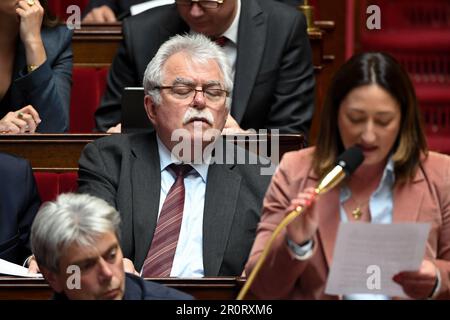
(199, 48)
(70, 219)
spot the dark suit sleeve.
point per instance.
(19, 203)
(121, 74)
(48, 88)
(293, 104)
(28, 211)
(93, 175)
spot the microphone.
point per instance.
(346, 163)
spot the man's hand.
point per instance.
(129, 266)
(418, 284)
(32, 265)
(102, 14)
(116, 129)
(231, 126)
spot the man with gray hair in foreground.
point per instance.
(75, 242)
(181, 217)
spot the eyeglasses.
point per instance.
(185, 92)
(205, 4)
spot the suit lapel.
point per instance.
(222, 192)
(408, 199)
(329, 219)
(145, 183)
(250, 49)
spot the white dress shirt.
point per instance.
(381, 205)
(230, 47)
(188, 260)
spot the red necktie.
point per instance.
(158, 262)
(221, 41)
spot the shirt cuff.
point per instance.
(301, 252)
(26, 263)
(437, 286)
(30, 82)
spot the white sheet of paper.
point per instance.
(141, 7)
(367, 256)
(13, 269)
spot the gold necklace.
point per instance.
(357, 212)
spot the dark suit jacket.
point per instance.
(137, 288)
(125, 171)
(274, 79)
(47, 88)
(19, 203)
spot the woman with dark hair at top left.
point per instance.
(35, 69)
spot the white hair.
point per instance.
(199, 49)
(70, 219)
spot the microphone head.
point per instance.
(350, 159)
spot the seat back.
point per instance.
(88, 87)
(410, 14)
(59, 7)
(51, 184)
(437, 125)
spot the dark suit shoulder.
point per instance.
(281, 13)
(277, 7)
(61, 32)
(124, 141)
(12, 166)
(249, 165)
(436, 167)
(111, 140)
(252, 171)
(56, 37)
(137, 288)
(121, 147)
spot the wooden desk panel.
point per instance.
(60, 152)
(95, 45)
(48, 152)
(226, 288)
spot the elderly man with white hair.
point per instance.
(180, 217)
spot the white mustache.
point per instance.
(195, 114)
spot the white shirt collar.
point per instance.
(232, 32)
(165, 159)
(388, 179)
